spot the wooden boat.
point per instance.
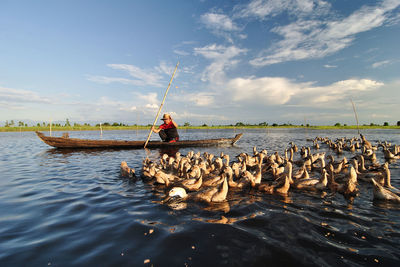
(66, 142)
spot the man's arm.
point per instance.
(155, 130)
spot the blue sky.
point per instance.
(274, 61)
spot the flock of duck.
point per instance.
(208, 178)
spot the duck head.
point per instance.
(176, 193)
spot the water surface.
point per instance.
(66, 207)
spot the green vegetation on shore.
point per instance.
(87, 127)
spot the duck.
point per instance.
(178, 156)
(365, 142)
(216, 167)
(213, 180)
(319, 166)
(229, 172)
(291, 155)
(301, 173)
(389, 155)
(209, 195)
(303, 152)
(276, 169)
(170, 164)
(294, 146)
(352, 174)
(313, 183)
(280, 188)
(164, 160)
(250, 161)
(254, 179)
(288, 171)
(349, 187)
(163, 177)
(363, 164)
(332, 184)
(184, 170)
(194, 172)
(236, 170)
(383, 177)
(381, 193)
(227, 158)
(193, 184)
(316, 145)
(148, 172)
(337, 165)
(323, 182)
(180, 166)
(240, 183)
(126, 171)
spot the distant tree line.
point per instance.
(11, 123)
(241, 124)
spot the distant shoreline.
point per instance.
(140, 127)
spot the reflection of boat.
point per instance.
(66, 142)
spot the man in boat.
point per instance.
(168, 130)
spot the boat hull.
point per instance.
(66, 142)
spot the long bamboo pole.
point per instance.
(355, 114)
(162, 103)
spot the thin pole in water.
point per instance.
(355, 114)
(162, 103)
(305, 125)
(51, 122)
(101, 131)
(137, 123)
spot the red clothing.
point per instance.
(165, 126)
(168, 132)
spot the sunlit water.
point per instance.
(65, 207)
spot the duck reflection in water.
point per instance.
(170, 151)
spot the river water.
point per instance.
(65, 207)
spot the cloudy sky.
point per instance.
(274, 61)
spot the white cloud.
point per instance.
(141, 102)
(266, 90)
(181, 52)
(380, 64)
(339, 91)
(201, 99)
(150, 98)
(264, 9)
(218, 22)
(278, 91)
(320, 116)
(151, 106)
(146, 77)
(305, 39)
(166, 69)
(108, 80)
(12, 106)
(21, 96)
(151, 77)
(221, 25)
(222, 59)
(196, 117)
(330, 66)
(105, 103)
(380, 116)
(129, 109)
